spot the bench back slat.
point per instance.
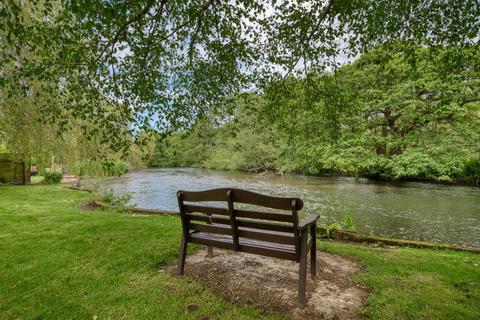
(209, 228)
(208, 219)
(204, 209)
(248, 197)
(207, 195)
(242, 225)
(241, 196)
(265, 215)
(282, 227)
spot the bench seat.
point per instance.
(267, 248)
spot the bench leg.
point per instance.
(181, 257)
(313, 251)
(302, 274)
(209, 252)
(209, 249)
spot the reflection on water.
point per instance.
(409, 210)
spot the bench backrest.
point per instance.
(273, 227)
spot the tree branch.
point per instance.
(158, 14)
(135, 18)
(200, 12)
(325, 11)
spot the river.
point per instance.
(416, 211)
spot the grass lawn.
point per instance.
(59, 262)
(36, 179)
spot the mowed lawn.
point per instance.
(60, 262)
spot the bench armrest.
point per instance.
(308, 221)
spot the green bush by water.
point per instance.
(472, 168)
(99, 168)
(345, 224)
(117, 203)
(52, 177)
(79, 169)
(114, 167)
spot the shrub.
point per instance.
(345, 224)
(472, 168)
(224, 159)
(52, 177)
(79, 169)
(158, 160)
(117, 203)
(114, 168)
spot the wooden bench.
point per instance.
(272, 234)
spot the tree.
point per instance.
(390, 118)
(165, 62)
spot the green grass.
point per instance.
(36, 179)
(59, 262)
(409, 283)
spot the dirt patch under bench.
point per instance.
(270, 284)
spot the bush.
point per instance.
(345, 224)
(472, 168)
(118, 203)
(52, 177)
(79, 169)
(114, 168)
(159, 160)
(224, 159)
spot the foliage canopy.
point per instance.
(126, 66)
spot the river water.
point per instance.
(416, 211)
